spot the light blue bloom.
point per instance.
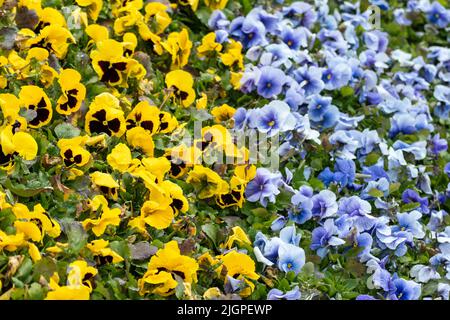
(324, 237)
(324, 204)
(263, 187)
(275, 294)
(271, 81)
(290, 258)
(273, 118)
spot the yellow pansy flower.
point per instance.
(102, 253)
(94, 7)
(73, 92)
(223, 113)
(208, 44)
(179, 46)
(206, 182)
(181, 83)
(35, 99)
(159, 278)
(216, 4)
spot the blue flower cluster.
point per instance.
(365, 126)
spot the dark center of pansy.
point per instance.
(111, 71)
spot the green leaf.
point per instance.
(66, 131)
(44, 267)
(374, 192)
(76, 234)
(211, 231)
(22, 190)
(347, 91)
(394, 187)
(24, 269)
(246, 5)
(35, 292)
(7, 38)
(410, 206)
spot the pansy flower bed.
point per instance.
(219, 149)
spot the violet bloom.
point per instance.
(411, 196)
(264, 187)
(218, 20)
(278, 223)
(240, 119)
(249, 31)
(438, 145)
(249, 79)
(323, 237)
(437, 14)
(408, 123)
(345, 171)
(364, 241)
(358, 211)
(275, 294)
(376, 40)
(302, 205)
(294, 38)
(338, 74)
(301, 13)
(365, 297)
(324, 204)
(273, 118)
(402, 289)
(269, 21)
(290, 258)
(326, 176)
(322, 112)
(310, 79)
(447, 169)
(271, 81)
(295, 96)
(409, 222)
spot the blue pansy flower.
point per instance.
(358, 211)
(263, 187)
(344, 171)
(438, 145)
(410, 196)
(402, 289)
(447, 169)
(310, 79)
(302, 205)
(409, 222)
(337, 75)
(324, 204)
(300, 13)
(218, 20)
(437, 14)
(324, 237)
(278, 223)
(322, 112)
(271, 81)
(273, 118)
(294, 38)
(290, 258)
(276, 294)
